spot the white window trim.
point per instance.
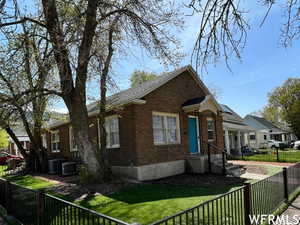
(155, 113)
(55, 132)
(99, 136)
(214, 122)
(71, 135)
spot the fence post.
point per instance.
(285, 184)
(8, 196)
(224, 162)
(40, 198)
(208, 156)
(277, 154)
(247, 203)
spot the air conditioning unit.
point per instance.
(69, 168)
(53, 166)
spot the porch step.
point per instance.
(233, 170)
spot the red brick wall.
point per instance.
(125, 155)
(135, 126)
(169, 99)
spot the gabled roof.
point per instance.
(265, 124)
(231, 116)
(135, 94)
(140, 91)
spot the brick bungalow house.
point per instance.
(157, 129)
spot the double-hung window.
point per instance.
(211, 130)
(112, 132)
(55, 141)
(165, 128)
(73, 147)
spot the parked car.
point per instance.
(5, 156)
(297, 145)
(275, 144)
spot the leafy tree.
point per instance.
(3, 139)
(141, 76)
(26, 61)
(285, 100)
(115, 23)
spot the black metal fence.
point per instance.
(269, 155)
(233, 208)
(33, 207)
(225, 209)
(236, 207)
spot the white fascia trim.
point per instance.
(134, 101)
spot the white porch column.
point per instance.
(245, 136)
(239, 142)
(227, 144)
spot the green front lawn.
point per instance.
(271, 170)
(2, 170)
(29, 181)
(291, 156)
(145, 203)
(150, 202)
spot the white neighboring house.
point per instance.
(265, 131)
(22, 137)
(236, 132)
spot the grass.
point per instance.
(29, 181)
(2, 170)
(271, 170)
(145, 203)
(150, 202)
(291, 156)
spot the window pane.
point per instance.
(157, 122)
(112, 131)
(173, 136)
(210, 135)
(114, 138)
(171, 129)
(159, 137)
(210, 125)
(171, 122)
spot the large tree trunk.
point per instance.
(87, 149)
(75, 95)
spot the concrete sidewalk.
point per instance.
(292, 210)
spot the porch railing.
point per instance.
(211, 146)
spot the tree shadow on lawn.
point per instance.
(147, 203)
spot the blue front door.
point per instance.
(193, 135)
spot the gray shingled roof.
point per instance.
(267, 124)
(139, 91)
(230, 116)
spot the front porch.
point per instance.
(236, 137)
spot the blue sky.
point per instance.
(265, 64)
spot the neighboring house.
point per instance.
(236, 132)
(264, 131)
(22, 137)
(153, 129)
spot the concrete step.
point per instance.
(233, 170)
